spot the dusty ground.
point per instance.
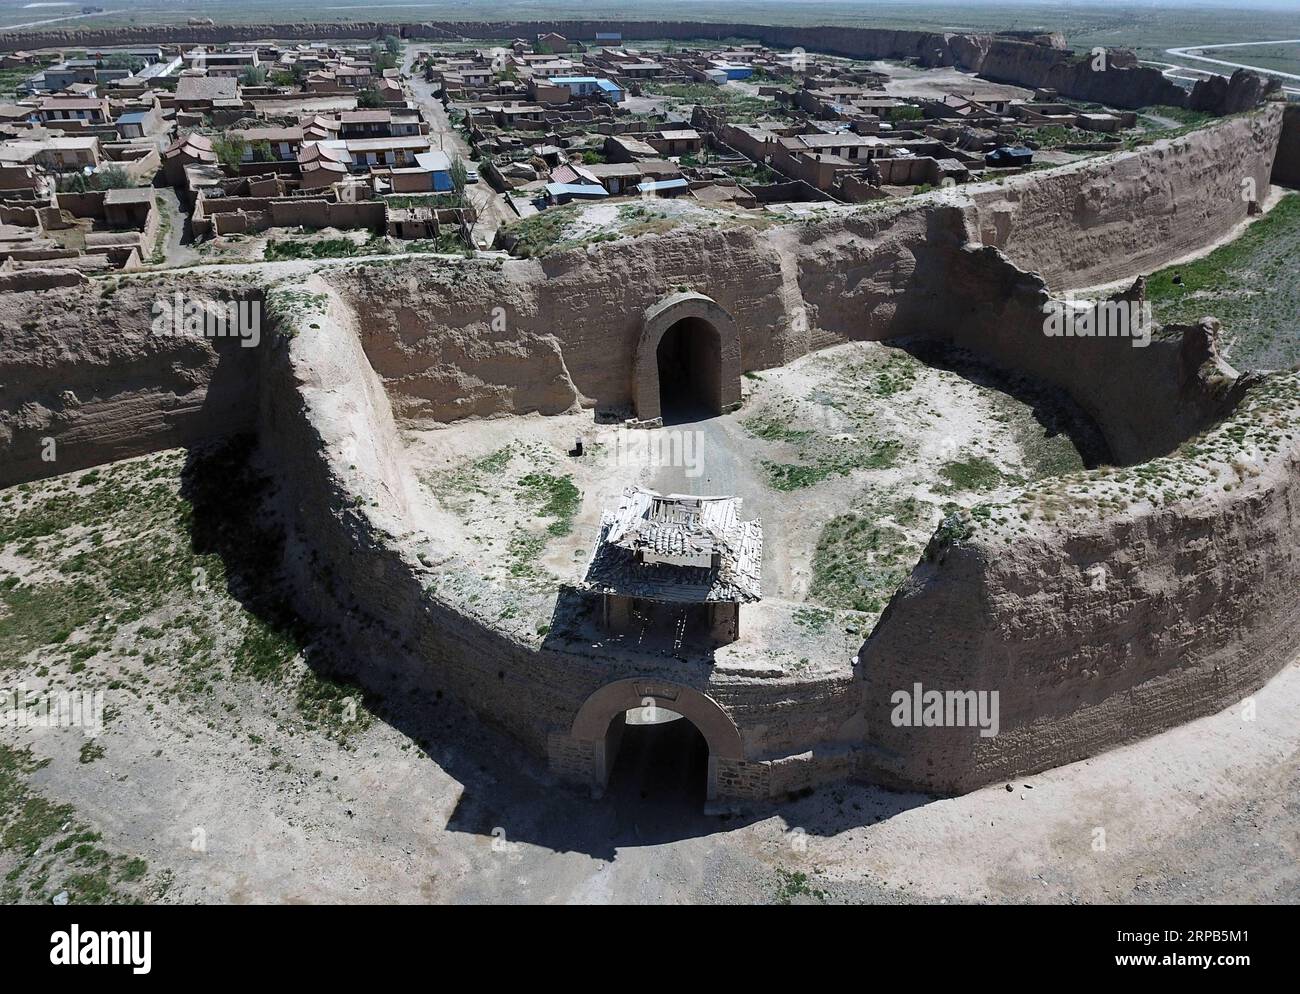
(228, 771)
(848, 492)
(912, 81)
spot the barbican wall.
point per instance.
(1102, 608)
(1198, 602)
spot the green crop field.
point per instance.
(1138, 25)
(1249, 285)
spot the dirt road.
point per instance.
(492, 209)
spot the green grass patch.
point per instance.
(1249, 284)
(555, 497)
(839, 459)
(542, 233)
(774, 429)
(50, 850)
(793, 884)
(278, 250)
(976, 473)
(860, 560)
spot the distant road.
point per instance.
(493, 212)
(1184, 53)
(54, 20)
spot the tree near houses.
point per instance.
(230, 150)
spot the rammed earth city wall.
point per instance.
(1102, 608)
(1095, 221)
(1098, 608)
(1199, 574)
(81, 365)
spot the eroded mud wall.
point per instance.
(1147, 391)
(84, 376)
(1097, 616)
(1286, 166)
(1126, 213)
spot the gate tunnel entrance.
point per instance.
(601, 731)
(689, 362)
(659, 758)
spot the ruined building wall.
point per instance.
(1194, 605)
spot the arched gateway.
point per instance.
(689, 356)
(598, 726)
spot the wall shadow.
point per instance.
(1053, 408)
(507, 795)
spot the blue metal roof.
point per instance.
(576, 190)
(663, 184)
(609, 86)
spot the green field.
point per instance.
(1282, 58)
(1084, 23)
(1249, 285)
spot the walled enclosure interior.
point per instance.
(1079, 673)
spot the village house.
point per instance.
(87, 110)
(139, 123)
(588, 86)
(365, 124)
(282, 143)
(686, 141)
(188, 150)
(229, 65)
(322, 164)
(552, 42)
(58, 154)
(352, 77)
(200, 93)
(431, 173)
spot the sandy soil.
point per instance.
(910, 81)
(876, 431)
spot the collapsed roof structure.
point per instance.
(678, 548)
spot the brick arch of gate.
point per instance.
(656, 322)
(594, 719)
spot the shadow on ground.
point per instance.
(1052, 408)
(656, 790)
